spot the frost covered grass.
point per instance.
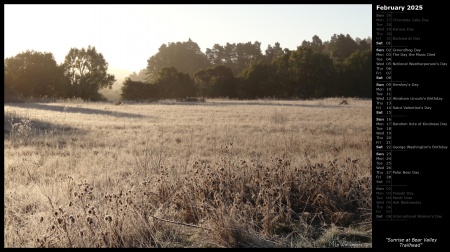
(220, 173)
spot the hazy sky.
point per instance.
(127, 35)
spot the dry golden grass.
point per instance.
(220, 173)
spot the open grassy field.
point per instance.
(220, 173)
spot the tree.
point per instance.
(340, 47)
(173, 84)
(357, 74)
(312, 73)
(246, 54)
(141, 76)
(222, 55)
(184, 56)
(215, 82)
(87, 72)
(273, 53)
(235, 56)
(258, 81)
(284, 83)
(137, 90)
(216, 55)
(35, 74)
(316, 44)
(364, 44)
(202, 81)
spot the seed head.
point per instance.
(108, 218)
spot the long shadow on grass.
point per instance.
(237, 103)
(59, 108)
(16, 124)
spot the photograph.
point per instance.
(188, 126)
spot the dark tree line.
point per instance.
(341, 66)
(36, 74)
(168, 83)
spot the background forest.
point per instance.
(341, 66)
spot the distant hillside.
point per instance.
(114, 93)
(120, 75)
